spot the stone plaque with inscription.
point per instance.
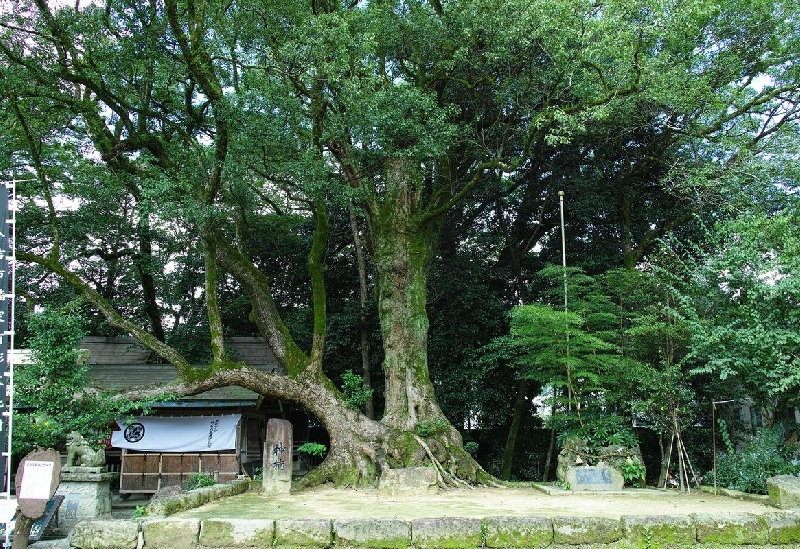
(594, 478)
(278, 457)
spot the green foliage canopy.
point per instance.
(170, 147)
(53, 396)
(740, 303)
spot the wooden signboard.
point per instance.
(37, 480)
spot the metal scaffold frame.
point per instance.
(7, 292)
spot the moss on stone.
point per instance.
(586, 530)
(216, 533)
(783, 529)
(105, 534)
(303, 532)
(530, 532)
(447, 533)
(237, 533)
(194, 498)
(733, 529)
(656, 532)
(171, 534)
(373, 533)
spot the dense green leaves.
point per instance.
(765, 456)
(741, 305)
(356, 394)
(53, 394)
(188, 172)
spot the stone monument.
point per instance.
(574, 469)
(411, 481)
(598, 477)
(85, 483)
(278, 452)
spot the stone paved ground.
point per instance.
(337, 503)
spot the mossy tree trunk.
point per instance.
(413, 430)
(403, 246)
(405, 240)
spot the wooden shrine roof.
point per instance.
(117, 364)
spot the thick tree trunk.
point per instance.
(403, 246)
(401, 266)
(360, 447)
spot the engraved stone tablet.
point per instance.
(594, 478)
(278, 457)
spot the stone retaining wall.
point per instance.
(651, 532)
(195, 498)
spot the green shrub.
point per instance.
(312, 449)
(766, 456)
(356, 393)
(199, 480)
(471, 448)
(564, 485)
(432, 427)
(50, 393)
(633, 472)
(607, 430)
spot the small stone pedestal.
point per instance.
(87, 495)
(411, 481)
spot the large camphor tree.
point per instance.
(145, 130)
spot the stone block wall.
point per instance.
(195, 498)
(653, 532)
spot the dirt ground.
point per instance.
(333, 503)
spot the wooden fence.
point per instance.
(148, 472)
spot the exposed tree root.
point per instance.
(359, 454)
(444, 475)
